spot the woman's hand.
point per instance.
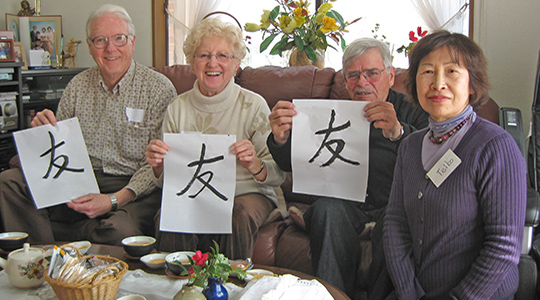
(246, 154)
(155, 152)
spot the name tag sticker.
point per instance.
(444, 167)
(134, 114)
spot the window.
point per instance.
(389, 20)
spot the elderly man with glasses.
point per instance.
(335, 225)
(120, 106)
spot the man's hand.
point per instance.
(43, 117)
(384, 115)
(155, 152)
(92, 205)
(281, 121)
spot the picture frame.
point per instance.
(7, 34)
(49, 37)
(20, 54)
(6, 50)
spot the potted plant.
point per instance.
(299, 29)
(209, 271)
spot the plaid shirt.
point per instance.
(116, 141)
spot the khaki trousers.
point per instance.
(60, 223)
(249, 213)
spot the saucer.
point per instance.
(171, 274)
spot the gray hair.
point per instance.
(113, 9)
(217, 27)
(360, 46)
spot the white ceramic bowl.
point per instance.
(83, 246)
(154, 260)
(181, 256)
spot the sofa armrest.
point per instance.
(265, 248)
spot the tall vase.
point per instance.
(299, 58)
(216, 290)
(189, 292)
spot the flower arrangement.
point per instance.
(207, 265)
(292, 20)
(421, 33)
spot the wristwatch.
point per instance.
(114, 202)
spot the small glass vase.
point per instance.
(216, 290)
(189, 292)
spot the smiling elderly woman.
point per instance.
(215, 49)
(454, 234)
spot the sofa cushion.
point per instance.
(181, 76)
(277, 83)
(338, 87)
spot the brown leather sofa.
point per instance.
(281, 243)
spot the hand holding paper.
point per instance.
(281, 119)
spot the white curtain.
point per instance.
(451, 15)
(187, 13)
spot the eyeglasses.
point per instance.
(222, 57)
(369, 74)
(119, 40)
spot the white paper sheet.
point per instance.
(76, 180)
(340, 175)
(209, 211)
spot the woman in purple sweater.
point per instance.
(454, 222)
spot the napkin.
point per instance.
(285, 287)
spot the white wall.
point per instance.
(507, 31)
(74, 14)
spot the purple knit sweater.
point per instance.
(463, 239)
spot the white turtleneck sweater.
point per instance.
(233, 111)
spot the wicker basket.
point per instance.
(103, 289)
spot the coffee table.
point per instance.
(118, 252)
(134, 264)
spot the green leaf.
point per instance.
(334, 14)
(274, 13)
(299, 43)
(343, 44)
(277, 47)
(267, 42)
(310, 53)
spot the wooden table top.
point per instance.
(134, 264)
(118, 252)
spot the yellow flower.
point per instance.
(252, 27)
(299, 16)
(329, 24)
(265, 19)
(321, 12)
(291, 24)
(324, 8)
(287, 24)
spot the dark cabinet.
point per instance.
(36, 90)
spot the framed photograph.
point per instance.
(7, 34)
(12, 24)
(6, 50)
(38, 32)
(20, 54)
